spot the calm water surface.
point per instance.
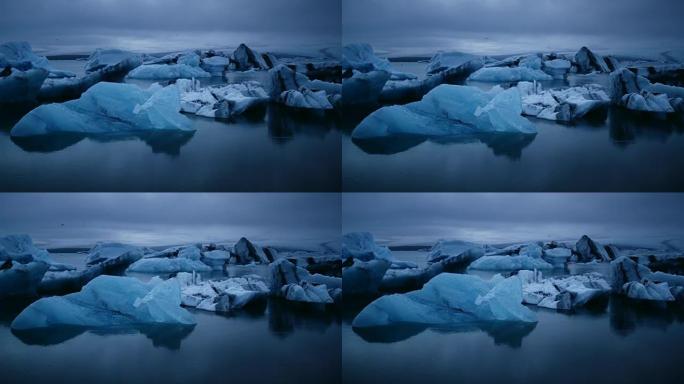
(271, 343)
(617, 342)
(276, 150)
(626, 152)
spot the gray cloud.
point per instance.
(400, 23)
(160, 219)
(164, 23)
(513, 217)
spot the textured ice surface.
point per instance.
(509, 263)
(364, 277)
(450, 299)
(450, 110)
(508, 74)
(220, 295)
(167, 265)
(109, 301)
(562, 104)
(103, 58)
(108, 108)
(361, 245)
(113, 255)
(648, 290)
(361, 57)
(167, 72)
(454, 252)
(564, 293)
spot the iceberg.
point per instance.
(283, 272)
(557, 256)
(508, 75)
(225, 101)
(557, 68)
(562, 293)
(168, 265)
(19, 279)
(221, 295)
(509, 263)
(57, 282)
(109, 301)
(167, 72)
(364, 88)
(306, 293)
(21, 248)
(20, 53)
(647, 102)
(588, 61)
(454, 253)
(284, 79)
(113, 60)
(362, 246)
(562, 104)
(108, 108)
(246, 58)
(112, 256)
(247, 252)
(305, 99)
(450, 299)
(648, 290)
(450, 110)
(624, 270)
(361, 57)
(454, 62)
(590, 250)
(635, 92)
(216, 259)
(215, 65)
(364, 277)
(18, 86)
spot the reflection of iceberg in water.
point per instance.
(165, 336)
(510, 334)
(286, 123)
(285, 318)
(169, 143)
(627, 315)
(509, 145)
(628, 126)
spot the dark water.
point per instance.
(617, 341)
(626, 152)
(272, 342)
(622, 343)
(276, 150)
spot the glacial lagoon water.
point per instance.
(271, 343)
(616, 342)
(283, 151)
(626, 152)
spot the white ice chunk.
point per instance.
(166, 72)
(166, 265)
(648, 290)
(362, 246)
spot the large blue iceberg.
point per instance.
(108, 108)
(450, 110)
(451, 299)
(109, 301)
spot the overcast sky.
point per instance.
(165, 219)
(499, 218)
(509, 26)
(68, 26)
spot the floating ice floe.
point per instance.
(636, 92)
(295, 90)
(109, 301)
(453, 253)
(562, 293)
(167, 72)
(108, 108)
(450, 110)
(451, 299)
(509, 74)
(216, 65)
(566, 105)
(113, 256)
(221, 101)
(557, 256)
(364, 87)
(216, 259)
(509, 263)
(121, 61)
(361, 57)
(168, 265)
(294, 283)
(20, 279)
(246, 58)
(453, 63)
(588, 61)
(21, 85)
(638, 282)
(247, 252)
(557, 68)
(221, 295)
(362, 246)
(590, 250)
